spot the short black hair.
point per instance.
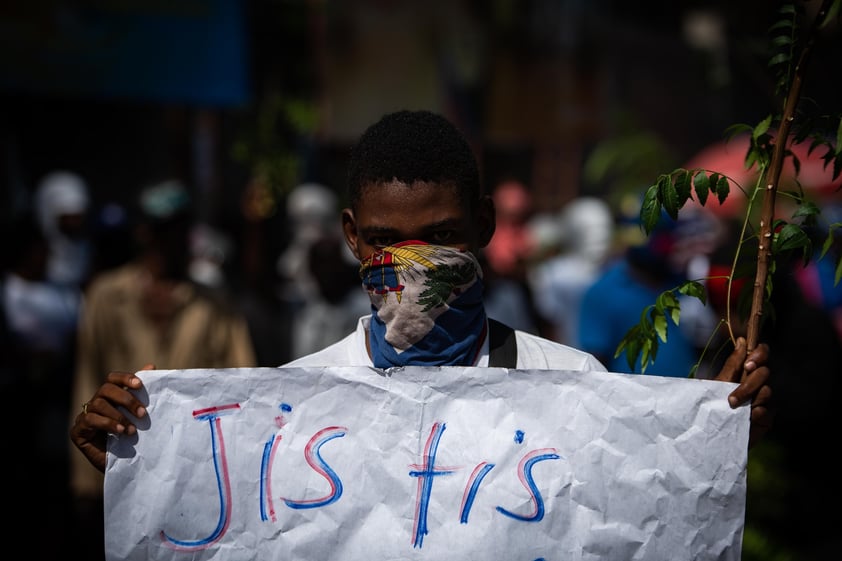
(409, 146)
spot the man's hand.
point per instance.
(752, 374)
(101, 415)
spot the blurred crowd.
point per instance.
(92, 286)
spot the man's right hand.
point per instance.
(101, 415)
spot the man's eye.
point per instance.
(442, 238)
(380, 242)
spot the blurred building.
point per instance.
(214, 91)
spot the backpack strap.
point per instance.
(502, 347)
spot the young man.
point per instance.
(416, 221)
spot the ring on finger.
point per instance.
(85, 407)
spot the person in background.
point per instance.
(38, 350)
(62, 204)
(149, 311)
(312, 211)
(508, 295)
(259, 235)
(112, 238)
(585, 230)
(613, 303)
(335, 307)
(416, 221)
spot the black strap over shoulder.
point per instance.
(502, 347)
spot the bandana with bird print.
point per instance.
(427, 307)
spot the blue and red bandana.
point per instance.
(427, 307)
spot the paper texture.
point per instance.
(443, 463)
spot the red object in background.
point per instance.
(717, 286)
(728, 158)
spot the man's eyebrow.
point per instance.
(449, 222)
(378, 229)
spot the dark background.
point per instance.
(128, 92)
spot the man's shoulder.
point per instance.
(348, 351)
(332, 355)
(121, 278)
(539, 352)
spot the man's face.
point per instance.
(388, 213)
(72, 225)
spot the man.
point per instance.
(416, 221)
(150, 311)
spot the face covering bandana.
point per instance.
(426, 304)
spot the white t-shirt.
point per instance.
(533, 352)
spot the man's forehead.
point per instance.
(397, 191)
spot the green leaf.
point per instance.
(787, 9)
(762, 127)
(694, 289)
(667, 304)
(737, 129)
(780, 24)
(752, 157)
(649, 352)
(791, 236)
(722, 188)
(624, 343)
(702, 185)
(632, 345)
(782, 41)
(650, 210)
(682, 186)
(828, 242)
(712, 179)
(807, 209)
(781, 58)
(668, 196)
(831, 14)
(816, 143)
(659, 322)
(675, 314)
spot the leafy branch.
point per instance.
(771, 142)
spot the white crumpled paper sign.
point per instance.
(428, 463)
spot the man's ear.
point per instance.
(486, 220)
(349, 230)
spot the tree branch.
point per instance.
(773, 175)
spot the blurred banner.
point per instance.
(428, 463)
(183, 51)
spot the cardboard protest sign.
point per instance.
(428, 463)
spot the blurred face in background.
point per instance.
(167, 244)
(72, 225)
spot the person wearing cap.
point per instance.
(149, 311)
